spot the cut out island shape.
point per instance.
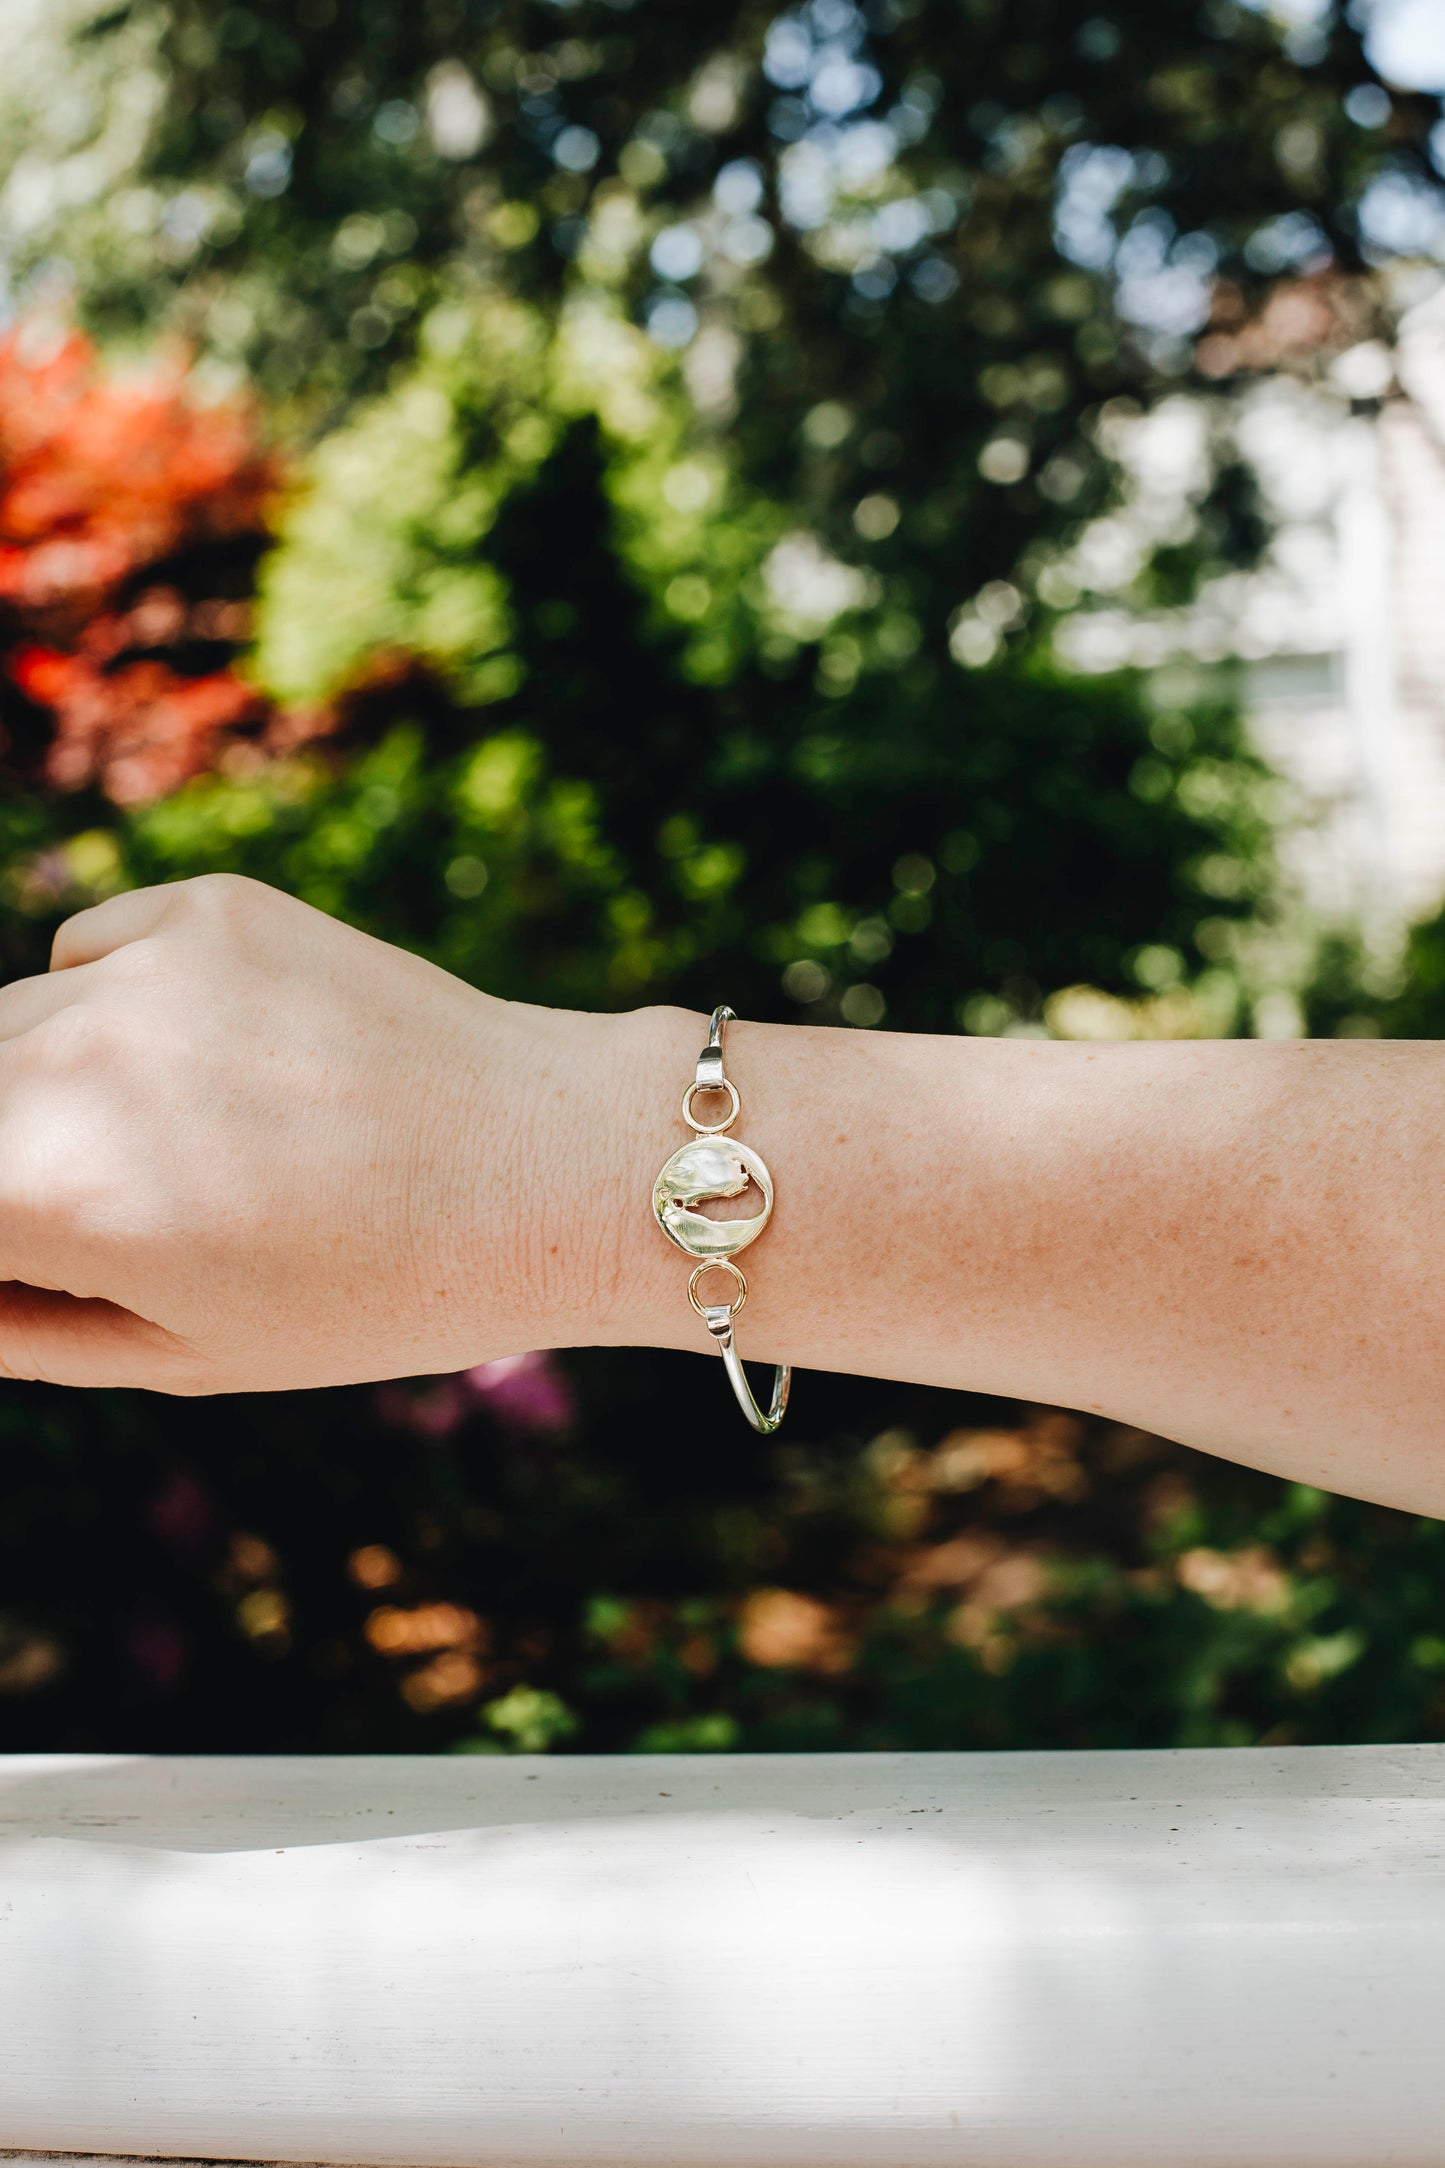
(710, 1167)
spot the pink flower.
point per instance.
(529, 1392)
(523, 1392)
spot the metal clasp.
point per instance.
(719, 1318)
(710, 1076)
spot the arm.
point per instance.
(1231, 1243)
(244, 1147)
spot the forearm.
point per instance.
(243, 1147)
(1230, 1243)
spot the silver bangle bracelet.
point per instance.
(713, 1164)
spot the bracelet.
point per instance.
(712, 1164)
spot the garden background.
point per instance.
(591, 492)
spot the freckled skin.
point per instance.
(1063, 1223)
(244, 1147)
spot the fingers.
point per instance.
(107, 926)
(222, 902)
(24, 1003)
(73, 1340)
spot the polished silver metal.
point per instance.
(709, 1077)
(719, 1318)
(710, 1061)
(711, 1166)
(719, 1322)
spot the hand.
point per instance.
(245, 1147)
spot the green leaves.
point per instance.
(693, 414)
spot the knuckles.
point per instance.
(67, 1127)
(230, 900)
(88, 1038)
(206, 904)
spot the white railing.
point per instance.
(1130, 1960)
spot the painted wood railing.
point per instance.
(1095, 1960)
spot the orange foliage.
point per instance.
(1300, 323)
(141, 730)
(100, 476)
(119, 498)
(779, 1628)
(394, 1631)
(454, 1638)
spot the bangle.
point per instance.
(713, 1164)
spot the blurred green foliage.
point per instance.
(689, 406)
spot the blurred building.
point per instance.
(1349, 701)
(1340, 635)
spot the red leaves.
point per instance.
(40, 673)
(141, 729)
(101, 476)
(105, 482)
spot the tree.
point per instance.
(945, 232)
(681, 412)
(131, 519)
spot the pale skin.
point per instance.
(246, 1148)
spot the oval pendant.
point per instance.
(715, 1166)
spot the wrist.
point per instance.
(640, 1294)
(566, 1125)
(595, 1110)
(637, 1299)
